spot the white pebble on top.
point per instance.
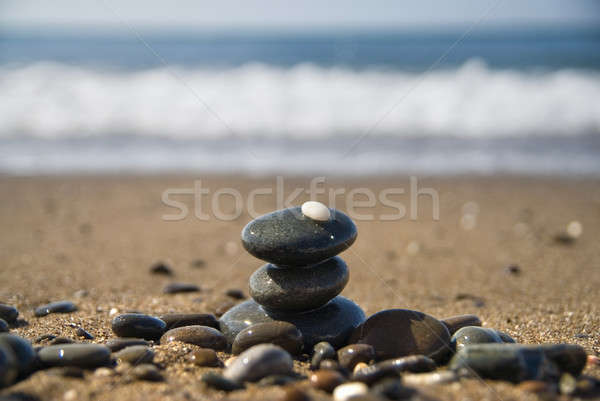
(316, 211)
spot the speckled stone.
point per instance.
(176, 288)
(326, 380)
(332, 323)
(205, 357)
(8, 313)
(283, 334)
(322, 351)
(174, 320)
(259, 361)
(3, 326)
(24, 353)
(203, 336)
(473, 335)
(394, 367)
(82, 355)
(138, 325)
(117, 344)
(402, 332)
(455, 323)
(285, 289)
(135, 355)
(288, 238)
(55, 307)
(9, 369)
(352, 354)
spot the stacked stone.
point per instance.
(303, 277)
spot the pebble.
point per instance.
(315, 211)
(259, 361)
(174, 320)
(505, 337)
(332, 323)
(8, 313)
(359, 366)
(392, 389)
(138, 325)
(283, 334)
(66, 371)
(176, 288)
(352, 354)
(55, 307)
(394, 367)
(224, 307)
(322, 351)
(220, 382)
(161, 268)
(427, 379)
(326, 380)
(146, 372)
(117, 344)
(205, 357)
(25, 356)
(455, 323)
(473, 335)
(235, 293)
(9, 368)
(285, 289)
(329, 364)
(513, 269)
(203, 336)
(414, 333)
(3, 326)
(135, 355)
(81, 355)
(288, 238)
(517, 363)
(61, 340)
(346, 391)
(81, 332)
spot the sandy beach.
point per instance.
(92, 240)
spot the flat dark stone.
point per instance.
(217, 381)
(455, 323)
(286, 289)
(117, 344)
(135, 355)
(258, 362)
(161, 268)
(352, 354)
(24, 353)
(288, 238)
(8, 313)
(473, 335)
(283, 334)
(147, 372)
(402, 332)
(176, 288)
(9, 369)
(138, 325)
(203, 336)
(174, 320)
(3, 326)
(81, 355)
(55, 307)
(333, 322)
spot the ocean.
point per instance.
(522, 101)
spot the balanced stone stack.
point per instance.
(303, 277)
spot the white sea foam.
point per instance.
(49, 100)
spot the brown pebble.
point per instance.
(224, 307)
(146, 372)
(329, 364)
(455, 323)
(280, 333)
(205, 357)
(203, 336)
(326, 380)
(535, 386)
(352, 354)
(61, 340)
(293, 393)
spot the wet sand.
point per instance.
(92, 240)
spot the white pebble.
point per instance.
(70, 395)
(316, 211)
(113, 311)
(574, 229)
(346, 391)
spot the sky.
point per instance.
(203, 14)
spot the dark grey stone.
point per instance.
(259, 361)
(402, 332)
(286, 289)
(332, 322)
(24, 353)
(174, 320)
(473, 335)
(322, 351)
(146, 372)
(55, 307)
(505, 337)
(138, 325)
(117, 344)
(81, 332)
(176, 288)
(282, 334)
(352, 354)
(161, 268)
(455, 323)
(288, 238)
(8, 313)
(9, 368)
(203, 336)
(3, 326)
(217, 381)
(81, 355)
(135, 355)
(394, 367)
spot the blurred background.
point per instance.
(264, 86)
